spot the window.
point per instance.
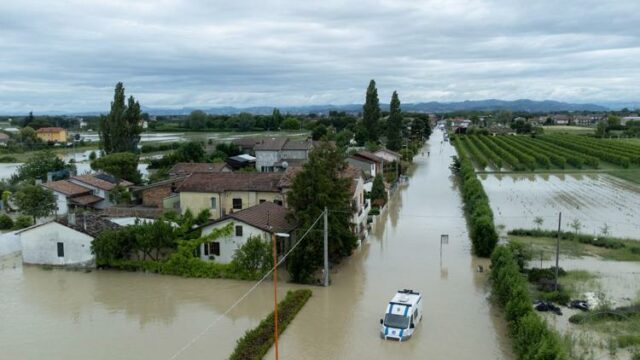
(212, 248)
(278, 202)
(215, 248)
(238, 230)
(262, 200)
(214, 203)
(237, 204)
(60, 249)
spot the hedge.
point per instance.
(602, 241)
(256, 342)
(477, 210)
(532, 339)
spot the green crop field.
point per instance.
(549, 153)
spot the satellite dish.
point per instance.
(285, 164)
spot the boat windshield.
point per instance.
(396, 321)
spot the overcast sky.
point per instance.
(67, 55)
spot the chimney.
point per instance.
(71, 218)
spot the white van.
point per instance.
(403, 313)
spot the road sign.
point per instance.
(444, 239)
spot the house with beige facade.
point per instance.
(226, 193)
(52, 134)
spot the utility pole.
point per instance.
(326, 247)
(558, 249)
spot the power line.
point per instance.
(206, 329)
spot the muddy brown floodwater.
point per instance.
(342, 321)
(593, 199)
(116, 315)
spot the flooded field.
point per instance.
(116, 315)
(593, 199)
(204, 136)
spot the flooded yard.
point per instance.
(593, 199)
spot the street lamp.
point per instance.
(274, 235)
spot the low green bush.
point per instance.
(6, 222)
(476, 206)
(22, 221)
(256, 342)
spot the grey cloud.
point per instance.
(171, 53)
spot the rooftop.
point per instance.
(182, 169)
(49, 130)
(266, 216)
(67, 188)
(221, 182)
(366, 155)
(101, 181)
(89, 224)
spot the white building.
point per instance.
(63, 242)
(260, 221)
(359, 203)
(272, 154)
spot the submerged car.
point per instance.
(403, 313)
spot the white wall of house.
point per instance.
(96, 191)
(40, 245)
(61, 203)
(294, 154)
(229, 244)
(266, 158)
(9, 244)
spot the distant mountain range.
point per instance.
(427, 107)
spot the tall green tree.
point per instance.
(320, 183)
(124, 166)
(371, 112)
(394, 124)
(35, 201)
(197, 120)
(120, 129)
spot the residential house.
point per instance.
(246, 145)
(225, 193)
(371, 164)
(561, 119)
(586, 120)
(4, 138)
(185, 169)
(388, 156)
(52, 134)
(101, 186)
(162, 195)
(69, 194)
(63, 242)
(359, 203)
(262, 221)
(277, 154)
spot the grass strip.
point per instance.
(256, 342)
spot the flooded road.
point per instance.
(593, 199)
(342, 322)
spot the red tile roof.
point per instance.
(266, 216)
(181, 169)
(92, 180)
(50, 130)
(67, 188)
(221, 182)
(86, 199)
(368, 156)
